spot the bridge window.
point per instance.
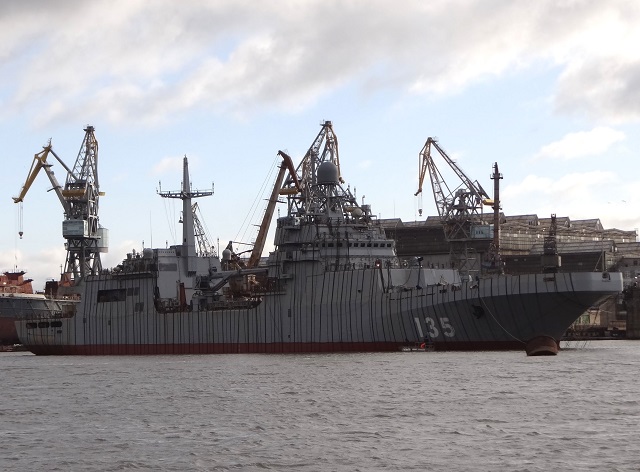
(112, 295)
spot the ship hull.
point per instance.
(17, 306)
(352, 311)
(8, 333)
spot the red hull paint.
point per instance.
(155, 349)
(480, 346)
(8, 333)
(276, 348)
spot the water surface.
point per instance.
(455, 411)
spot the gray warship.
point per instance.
(333, 283)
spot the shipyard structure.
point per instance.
(581, 245)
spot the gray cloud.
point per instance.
(143, 61)
(608, 88)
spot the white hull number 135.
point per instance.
(433, 329)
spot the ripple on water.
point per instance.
(437, 411)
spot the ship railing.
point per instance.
(173, 306)
(233, 304)
(41, 314)
(361, 265)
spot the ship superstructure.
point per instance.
(333, 283)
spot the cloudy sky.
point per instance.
(548, 89)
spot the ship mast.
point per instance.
(188, 233)
(493, 255)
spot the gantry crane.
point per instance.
(307, 168)
(461, 209)
(305, 190)
(204, 246)
(86, 239)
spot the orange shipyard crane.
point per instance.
(300, 184)
(306, 187)
(258, 247)
(79, 198)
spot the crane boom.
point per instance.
(473, 186)
(39, 163)
(457, 207)
(86, 239)
(460, 210)
(258, 247)
(204, 247)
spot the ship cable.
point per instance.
(251, 214)
(170, 218)
(498, 323)
(404, 284)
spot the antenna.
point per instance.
(151, 230)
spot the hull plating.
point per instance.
(358, 310)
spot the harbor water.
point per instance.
(450, 411)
